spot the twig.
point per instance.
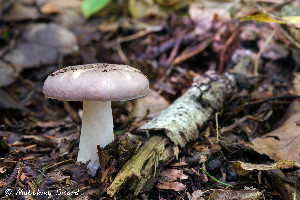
(262, 50)
(235, 124)
(134, 36)
(175, 48)
(59, 164)
(229, 41)
(11, 178)
(269, 77)
(190, 53)
(171, 58)
(122, 54)
(140, 34)
(5, 7)
(217, 126)
(71, 111)
(274, 98)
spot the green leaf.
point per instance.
(262, 17)
(90, 7)
(268, 18)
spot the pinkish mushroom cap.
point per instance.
(96, 82)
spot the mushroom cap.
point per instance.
(96, 82)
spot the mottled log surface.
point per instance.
(174, 127)
(279, 181)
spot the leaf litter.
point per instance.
(171, 42)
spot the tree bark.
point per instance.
(172, 129)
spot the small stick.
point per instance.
(274, 98)
(217, 126)
(11, 179)
(262, 50)
(59, 164)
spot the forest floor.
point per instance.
(248, 149)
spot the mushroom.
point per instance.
(96, 85)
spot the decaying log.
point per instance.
(279, 181)
(174, 127)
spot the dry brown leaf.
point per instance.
(202, 17)
(21, 11)
(7, 74)
(41, 46)
(56, 6)
(243, 168)
(51, 35)
(174, 174)
(196, 195)
(179, 164)
(283, 142)
(177, 186)
(57, 176)
(273, 51)
(2, 170)
(152, 103)
(26, 55)
(142, 8)
(230, 194)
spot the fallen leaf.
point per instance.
(56, 6)
(2, 170)
(51, 35)
(235, 194)
(204, 13)
(243, 168)
(173, 175)
(202, 17)
(243, 60)
(290, 21)
(149, 106)
(283, 142)
(27, 55)
(90, 7)
(177, 186)
(7, 74)
(179, 164)
(57, 176)
(21, 11)
(144, 8)
(196, 195)
(6, 101)
(261, 17)
(42, 45)
(273, 51)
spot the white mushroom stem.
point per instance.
(97, 129)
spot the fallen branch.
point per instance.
(174, 127)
